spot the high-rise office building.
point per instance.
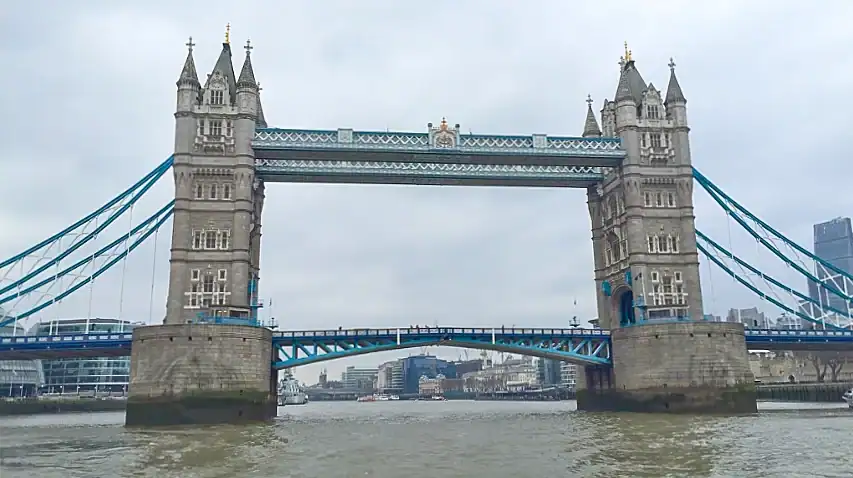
(833, 242)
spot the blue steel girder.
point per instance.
(441, 156)
(580, 346)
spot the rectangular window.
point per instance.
(210, 240)
(647, 199)
(193, 301)
(652, 249)
(197, 239)
(677, 276)
(217, 97)
(670, 199)
(222, 274)
(207, 284)
(213, 190)
(675, 244)
(195, 274)
(215, 127)
(655, 140)
(658, 200)
(655, 276)
(225, 240)
(229, 128)
(226, 191)
(643, 139)
(199, 191)
(201, 127)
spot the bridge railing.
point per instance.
(797, 333)
(419, 331)
(48, 339)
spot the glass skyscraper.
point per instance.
(833, 242)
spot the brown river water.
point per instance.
(440, 440)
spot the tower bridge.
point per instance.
(212, 361)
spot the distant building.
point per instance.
(390, 377)
(465, 366)
(354, 378)
(751, 318)
(428, 366)
(548, 371)
(18, 378)
(833, 242)
(713, 318)
(786, 321)
(102, 374)
(568, 376)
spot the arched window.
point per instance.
(613, 244)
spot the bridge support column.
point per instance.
(201, 374)
(682, 367)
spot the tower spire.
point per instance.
(189, 75)
(228, 33)
(673, 90)
(590, 127)
(247, 73)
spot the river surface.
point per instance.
(440, 440)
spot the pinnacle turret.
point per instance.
(189, 75)
(673, 90)
(590, 127)
(247, 74)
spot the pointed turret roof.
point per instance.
(247, 74)
(188, 73)
(590, 127)
(673, 90)
(631, 84)
(226, 68)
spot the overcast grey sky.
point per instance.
(89, 91)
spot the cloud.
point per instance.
(89, 93)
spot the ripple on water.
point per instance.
(447, 439)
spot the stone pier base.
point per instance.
(200, 374)
(685, 367)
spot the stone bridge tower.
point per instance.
(647, 267)
(206, 363)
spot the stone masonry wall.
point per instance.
(178, 360)
(677, 355)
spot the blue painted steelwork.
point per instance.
(65, 346)
(726, 253)
(466, 174)
(583, 346)
(204, 319)
(815, 340)
(455, 143)
(144, 184)
(724, 200)
(153, 224)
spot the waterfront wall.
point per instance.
(803, 392)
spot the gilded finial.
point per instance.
(443, 123)
(627, 53)
(228, 33)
